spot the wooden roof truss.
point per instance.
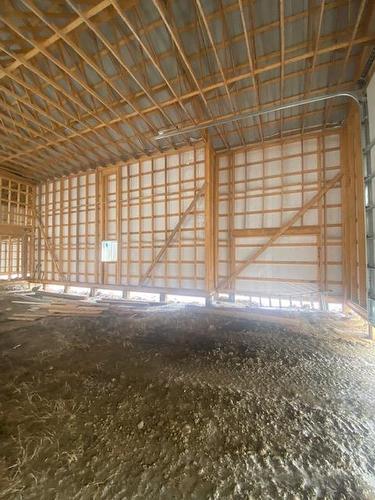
(84, 84)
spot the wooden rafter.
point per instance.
(150, 56)
(77, 107)
(77, 79)
(102, 5)
(109, 47)
(42, 134)
(28, 106)
(242, 76)
(174, 36)
(349, 48)
(219, 65)
(252, 65)
(50, 102)
(282, 61)
(90, 62)
(310, 72)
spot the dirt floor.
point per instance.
(185, 404)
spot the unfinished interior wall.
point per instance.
(16, 227)
(141, 205)
(263, 220)
(262, 189)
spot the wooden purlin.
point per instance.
(76, 78)
(219, 65)
(64, 111)
(282, 230)
(32, 136)
(151, 57)
(246, 75)
(251, 60)
(175, 37)
(95, 128)
(270, 231)
(282, 61)
(104, 4)
(31, 152)
(109, 47)
(28, 117)
(310, 72)
(349, 48)
(226, 83)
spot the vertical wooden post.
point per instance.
(353, 212)
(345, 213)
(119, 223)
(320, 153)
(210, 216)
(103, 219)
(62, 264)
(24, 255)
(232, 241)
(30, 220)
(128, 239)
(77, 224)
(46, 210)
(86, 279)
(39, 236)
(97, 226)
(53, 229)
(360, 213)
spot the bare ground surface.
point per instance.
(185, 404)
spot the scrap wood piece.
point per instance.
(65, 296)
(58, 307)
(24, 317)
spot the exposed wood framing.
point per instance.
(172, 234)
(139, 210)
(73, 98)
(265, 184)
(270, 231)
(17, 199)
(283, 229)
(159, 251)
(49, 246)
(13, 230)
(85, 89)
